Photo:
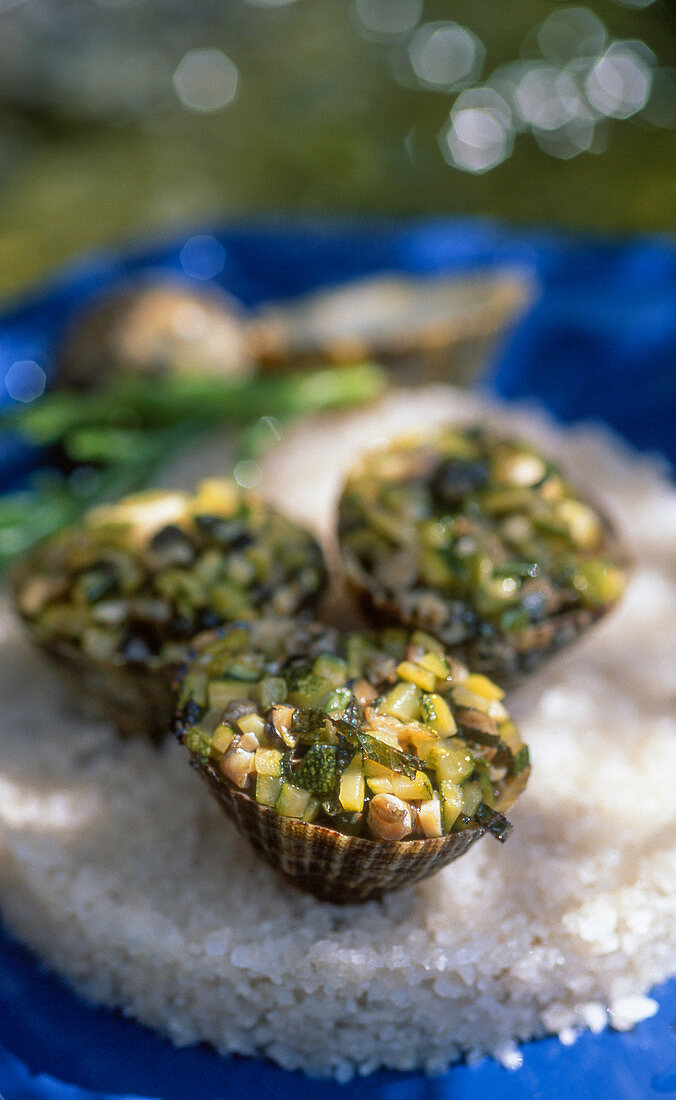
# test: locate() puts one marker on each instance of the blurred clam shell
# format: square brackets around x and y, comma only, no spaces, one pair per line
[444,324]
[138,699]
[154,328]
[507,659]
[339,868]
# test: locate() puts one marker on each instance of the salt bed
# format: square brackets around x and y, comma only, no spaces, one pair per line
[117,867]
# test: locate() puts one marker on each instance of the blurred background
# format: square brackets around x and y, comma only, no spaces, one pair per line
[119,118]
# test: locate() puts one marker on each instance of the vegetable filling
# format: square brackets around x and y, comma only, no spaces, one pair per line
[384,736]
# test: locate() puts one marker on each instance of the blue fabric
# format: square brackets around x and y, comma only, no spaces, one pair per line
[599,342]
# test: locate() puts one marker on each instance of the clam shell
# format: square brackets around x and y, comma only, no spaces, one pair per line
[154,328]
[442,325]
[137,696]
[507,658]
[335,867]
[138,699]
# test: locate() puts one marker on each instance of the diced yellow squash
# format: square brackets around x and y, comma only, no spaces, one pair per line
[352,787]
[429,817]
[292,801]
[220,740]
[463,697]
[436,713]
[414,674]
[451,803]
[402,702]
[481,685]
[435,663]
[268,761]
[412,789]
[252,723]
[379,784]
[268,788]
[372,769]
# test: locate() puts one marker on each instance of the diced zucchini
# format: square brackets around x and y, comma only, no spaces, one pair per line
[337,701]
[402,702]
[268,788]
[252,723]
[481,685]
[268,762]
[451,803]
[358,650]
[245,666]
[271,690]
[456,764]
[436,714]
[352,787]
[429,817]
[421,637]
[471,797]
[198,738]
[310,691]
[330,668]
[292,801]
[434,662]
[197,742]
[319,770]
[222,692]
[486,788]
[416,675]
[311,811]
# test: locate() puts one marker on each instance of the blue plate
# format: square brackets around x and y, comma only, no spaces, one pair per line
[600,343]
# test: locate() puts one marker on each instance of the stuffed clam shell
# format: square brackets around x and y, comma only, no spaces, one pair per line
[353,763]
[116,599]
[481,541]
[154,328]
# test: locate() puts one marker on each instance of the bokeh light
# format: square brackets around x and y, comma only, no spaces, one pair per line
[25,380]
[387,18]
[619,83]
[206,80]
[446,55]
[479,134]
[202,257]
